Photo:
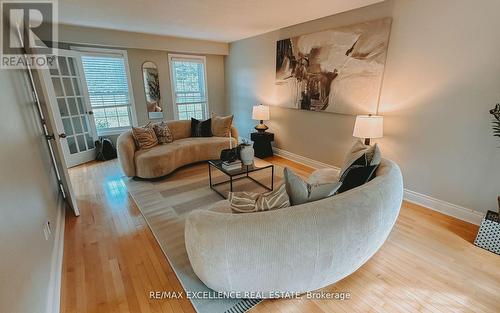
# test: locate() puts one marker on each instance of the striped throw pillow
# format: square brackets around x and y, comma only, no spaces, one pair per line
[144,137]
[247,202]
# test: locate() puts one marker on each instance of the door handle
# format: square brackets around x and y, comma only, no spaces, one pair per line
[62,135]
[90,113]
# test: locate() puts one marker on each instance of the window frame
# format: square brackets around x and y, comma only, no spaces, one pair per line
[187,57]
[103,52]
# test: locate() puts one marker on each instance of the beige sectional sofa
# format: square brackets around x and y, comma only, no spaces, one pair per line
[164,159]
[295,249]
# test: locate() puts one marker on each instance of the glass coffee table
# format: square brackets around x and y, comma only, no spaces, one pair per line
[240,173]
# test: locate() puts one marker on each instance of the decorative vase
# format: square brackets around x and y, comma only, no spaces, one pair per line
[246,154]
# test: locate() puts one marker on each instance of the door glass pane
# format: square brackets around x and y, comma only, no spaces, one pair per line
[57,86]
[63,109]
[77,124]
[90,141]
[54,71]
[85,125]
[81,108]
[81,143]
[63,66]
[72,66]
[72,106]
[68,129]
[72,145]
[77,87]
[67,86]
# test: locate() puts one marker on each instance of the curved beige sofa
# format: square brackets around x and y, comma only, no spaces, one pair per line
[296,249]
[164,159]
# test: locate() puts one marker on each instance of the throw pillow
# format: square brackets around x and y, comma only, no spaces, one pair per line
[163,133]
[144,137]
[201,128]
[221,125]
[300,191]
[246,202]
[356,176]
[371,154]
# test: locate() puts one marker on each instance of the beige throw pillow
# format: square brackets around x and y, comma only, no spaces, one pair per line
[163,133]
[221,125]
[246,202]
[300,191]
[144,137]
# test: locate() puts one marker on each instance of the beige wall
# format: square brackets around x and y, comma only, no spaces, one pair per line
[442,76]
[29,198]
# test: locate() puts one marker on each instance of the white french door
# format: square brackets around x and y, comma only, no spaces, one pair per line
[69,101]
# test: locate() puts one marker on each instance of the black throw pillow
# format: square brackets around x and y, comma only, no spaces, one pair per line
[356,176]
[362,161]
[201,128]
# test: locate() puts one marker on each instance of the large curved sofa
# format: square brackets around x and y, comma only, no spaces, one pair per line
[295,249]
[165,158]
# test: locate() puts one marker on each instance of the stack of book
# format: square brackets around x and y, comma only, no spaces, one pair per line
[231,166]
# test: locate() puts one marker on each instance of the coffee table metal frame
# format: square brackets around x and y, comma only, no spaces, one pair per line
[236,175]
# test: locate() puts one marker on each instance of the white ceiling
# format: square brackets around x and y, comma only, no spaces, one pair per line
[217,20]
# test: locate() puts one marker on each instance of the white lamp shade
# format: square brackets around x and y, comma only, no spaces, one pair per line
[260,112]
[369,126]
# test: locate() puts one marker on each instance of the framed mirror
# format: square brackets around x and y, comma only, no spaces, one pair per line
[152,90]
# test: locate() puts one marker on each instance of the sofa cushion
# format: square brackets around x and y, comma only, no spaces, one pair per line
[201,128]
[221,125]
[163,159]
[301,192]
[145,137]
[247,202]
[356,176]
[361,153]
[323,175]
[163,132]
[180,128]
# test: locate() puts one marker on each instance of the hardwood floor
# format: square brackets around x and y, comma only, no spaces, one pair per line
[112,261]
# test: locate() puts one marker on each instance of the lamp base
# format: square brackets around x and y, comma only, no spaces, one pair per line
[367,141]
[261,128]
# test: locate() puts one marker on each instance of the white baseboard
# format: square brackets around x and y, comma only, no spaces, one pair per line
[434,204]
[301,159]
[444,207]
[54,288]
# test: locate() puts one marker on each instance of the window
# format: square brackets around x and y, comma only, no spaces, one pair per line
[109,94]
[188,78]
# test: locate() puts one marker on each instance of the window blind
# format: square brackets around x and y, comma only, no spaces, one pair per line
[106,80]
[107,84]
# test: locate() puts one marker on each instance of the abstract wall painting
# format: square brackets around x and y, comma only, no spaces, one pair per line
[338,70]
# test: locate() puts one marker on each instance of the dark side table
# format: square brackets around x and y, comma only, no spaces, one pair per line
[262,144]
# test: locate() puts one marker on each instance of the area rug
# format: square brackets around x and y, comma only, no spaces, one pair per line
[165,205]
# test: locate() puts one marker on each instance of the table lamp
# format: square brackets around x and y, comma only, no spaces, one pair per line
[260,112]
[368,126]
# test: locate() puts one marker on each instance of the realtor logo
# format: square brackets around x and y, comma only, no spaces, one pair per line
[26,26]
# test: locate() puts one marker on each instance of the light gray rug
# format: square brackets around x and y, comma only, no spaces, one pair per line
[165,205]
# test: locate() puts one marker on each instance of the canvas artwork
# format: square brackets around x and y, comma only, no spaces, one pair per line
[338,70]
